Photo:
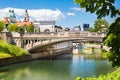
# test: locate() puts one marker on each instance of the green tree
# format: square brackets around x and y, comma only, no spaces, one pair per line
[91,29]
[103,8]
[1,25]
[101,25]
[30,28]
[13,27]
[113,40]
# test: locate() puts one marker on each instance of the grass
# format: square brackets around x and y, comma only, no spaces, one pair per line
[8,50]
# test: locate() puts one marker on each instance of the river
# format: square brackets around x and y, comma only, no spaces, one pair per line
[66,67]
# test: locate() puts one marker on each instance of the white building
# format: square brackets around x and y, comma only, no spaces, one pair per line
[77,28]
[47,26]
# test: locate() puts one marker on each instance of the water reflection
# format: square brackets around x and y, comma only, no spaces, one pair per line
[65,67]
[82,66]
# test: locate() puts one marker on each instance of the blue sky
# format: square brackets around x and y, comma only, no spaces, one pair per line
[65,12]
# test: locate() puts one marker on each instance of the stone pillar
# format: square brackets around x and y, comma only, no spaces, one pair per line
[7,36]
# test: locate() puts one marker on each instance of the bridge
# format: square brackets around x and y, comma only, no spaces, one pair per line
[32,41]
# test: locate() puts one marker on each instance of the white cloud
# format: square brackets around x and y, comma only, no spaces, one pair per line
[70,14]
[35,14]
[78,9]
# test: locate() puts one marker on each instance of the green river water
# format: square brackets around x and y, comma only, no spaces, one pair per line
[66,67]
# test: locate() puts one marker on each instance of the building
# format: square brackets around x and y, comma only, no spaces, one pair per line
[47,26]
[67,29]
[77,28]
[85,27]
[38,26]
[11,18]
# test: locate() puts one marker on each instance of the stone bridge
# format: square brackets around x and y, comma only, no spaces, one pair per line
[31,41]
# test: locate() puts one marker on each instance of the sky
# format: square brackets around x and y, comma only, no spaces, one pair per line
[64,12]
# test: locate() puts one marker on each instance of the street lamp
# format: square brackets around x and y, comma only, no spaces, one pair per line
[21,36]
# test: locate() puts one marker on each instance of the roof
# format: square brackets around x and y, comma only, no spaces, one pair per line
[58,27]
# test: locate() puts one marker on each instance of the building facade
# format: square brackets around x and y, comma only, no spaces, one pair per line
[85,27]
[47,26]
[76,28]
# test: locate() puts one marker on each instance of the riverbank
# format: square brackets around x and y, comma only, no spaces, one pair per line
[8,50]
[35,56]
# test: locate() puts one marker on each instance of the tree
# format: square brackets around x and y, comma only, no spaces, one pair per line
[101,25]
[1,25]
[113,40]
[91,29]
[13,27]
[30,28]
[103,8]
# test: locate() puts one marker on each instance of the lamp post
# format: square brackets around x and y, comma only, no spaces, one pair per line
[21,36]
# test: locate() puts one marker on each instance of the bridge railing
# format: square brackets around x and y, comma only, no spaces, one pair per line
[30,40]
[63,34]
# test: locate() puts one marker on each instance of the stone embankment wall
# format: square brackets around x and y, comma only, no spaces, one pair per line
[98,46]
[41,55]
[13,60]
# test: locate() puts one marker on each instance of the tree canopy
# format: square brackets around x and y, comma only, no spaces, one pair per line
[1,25]
[13,27]
[101,25]
[112,40]
[104,8]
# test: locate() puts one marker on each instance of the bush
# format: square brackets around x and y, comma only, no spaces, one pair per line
[115,75]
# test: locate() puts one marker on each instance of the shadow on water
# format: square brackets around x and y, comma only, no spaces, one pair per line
[4,70]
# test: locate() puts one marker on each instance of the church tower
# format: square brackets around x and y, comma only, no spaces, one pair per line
[26,16]
[12,17]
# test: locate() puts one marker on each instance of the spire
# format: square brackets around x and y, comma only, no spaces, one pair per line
[12,16]
[26,16]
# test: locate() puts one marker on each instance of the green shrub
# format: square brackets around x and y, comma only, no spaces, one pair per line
[115,75]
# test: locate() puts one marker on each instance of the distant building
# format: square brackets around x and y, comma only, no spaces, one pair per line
[85,27]
[77,28]
[67,29]
[47,26]
[11,18]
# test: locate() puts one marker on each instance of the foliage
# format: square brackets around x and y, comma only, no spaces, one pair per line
[115,75]
[13,27]
[101,25]
[30,28]
[8,50]
[3,55]
[1,25]
[113,40]
[91,29]
[102,8]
